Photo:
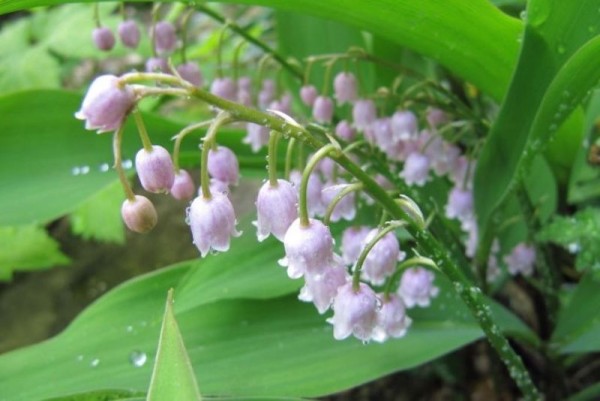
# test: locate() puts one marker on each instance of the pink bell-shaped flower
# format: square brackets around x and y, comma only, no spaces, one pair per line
[257,136]
[139,214]
[404,125]
[392,321]
[308,94]
[267,93]
[223,165]
[155,169]
[345,87]
[183,186]
[321,289]
[416,169]
[165,39]
[382,259]
[521,260]
[157,64]
[276,209]
[129,34]
[313,192]
[212,222]
[364,114]
[225,88]
[436,117]
[354,312]
[323,110]
[460,204]
[190,72]
[346,207]
[345,131]
[352,243]
[416,287]
[106,104]
[103,38]
[308,249]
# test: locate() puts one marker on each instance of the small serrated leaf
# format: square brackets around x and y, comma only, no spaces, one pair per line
[173,377]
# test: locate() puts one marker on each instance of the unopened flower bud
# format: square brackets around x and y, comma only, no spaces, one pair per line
[276,209]
[212,222]
[139,214]
[382,259]
[225,88]
[155,169]
[345,131]
[344,86]
[308,94]
[103,38]
[223,165]
[346,207]
[183,186]
[364,113]
[323,110]
[391,319]
[404,125]
[165,38]
[190,72]
[308,249]
[352,243]
[157,64]
[106,104]
[416,287]
[129,33]
[436,117]
[354,312]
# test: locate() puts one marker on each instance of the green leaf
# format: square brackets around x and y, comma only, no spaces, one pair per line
[433,28]
[31,68]
[539,99]
[580,234]
[99,217]
[103,395]
[173,376]
[578,326]
[244,337]
[27,248]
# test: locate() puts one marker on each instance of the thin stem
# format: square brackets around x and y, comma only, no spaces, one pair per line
[327,79]
[236,59]
[307,69]
[139,122]
[222,118]
[357,186]
[117,139]
[325,151]
[365,251]
[272,161]
[391,283]
[122,10]
[184,33]
[220,51]
[288,157]
[255,41]
[97,16]
[179,138]
[153,28]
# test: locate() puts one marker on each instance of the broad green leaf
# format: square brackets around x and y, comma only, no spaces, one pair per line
[578,326]
[27,248]
[539,99]
[103,395]
[580,234]
[99,217]
[172,376]
[432,28]
[590,393]
[245,342]
[33,67]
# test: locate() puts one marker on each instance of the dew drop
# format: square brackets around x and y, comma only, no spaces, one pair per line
[95,362]
[129,329]
[561,49]
[85,169]
[104,167]
[76,170]
[79,358]
[138,358]
[127,164]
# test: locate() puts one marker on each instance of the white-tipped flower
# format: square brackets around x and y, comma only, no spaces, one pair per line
[157,64]
[354,312]
[257,136]
[381,133]
[308,94]
[352,243]
[155,169]
[416,287]
[277,208]
[521,260]
[308,249]
[364,113]
[382,259]
[139,214]
[416,169]
[320,289]
[103,38]
[225,88]
[436,117]
[267,93]
[345,87]
[212,222]
[223,165]
[404,125]
[323,110]
[313,192]
[345,131]
[392,321]
[106,104]
[165,39]
[460,204]
[346,207]
[129,34]
[190,72]
[183,186]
